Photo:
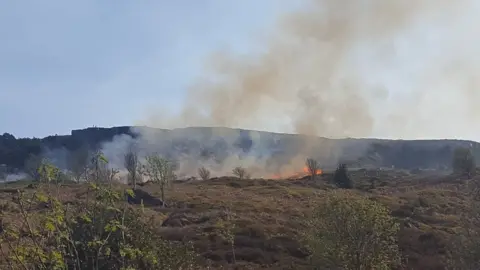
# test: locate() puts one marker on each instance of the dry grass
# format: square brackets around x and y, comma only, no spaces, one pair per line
[269,215]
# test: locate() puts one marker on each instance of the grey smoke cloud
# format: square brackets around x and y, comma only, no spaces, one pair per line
[353,68]
[337,68]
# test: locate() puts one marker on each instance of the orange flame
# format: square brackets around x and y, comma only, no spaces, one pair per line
[307,171]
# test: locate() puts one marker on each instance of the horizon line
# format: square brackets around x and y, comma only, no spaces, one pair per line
[250,130]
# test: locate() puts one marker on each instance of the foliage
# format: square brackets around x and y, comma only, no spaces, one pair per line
[160,170]
[408,154]
[352,232]
[47,172]
[463,162]
[15,151]
[98,170]
[132,165]
[204,173]
[104,233]
[341,177]
[240,172]
[464,252]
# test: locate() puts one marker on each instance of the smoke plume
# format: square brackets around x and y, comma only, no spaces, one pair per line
[347,68]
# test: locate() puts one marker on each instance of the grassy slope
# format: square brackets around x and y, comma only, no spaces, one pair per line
[269,215]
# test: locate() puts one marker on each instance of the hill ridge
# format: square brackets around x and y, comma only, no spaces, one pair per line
[219,143]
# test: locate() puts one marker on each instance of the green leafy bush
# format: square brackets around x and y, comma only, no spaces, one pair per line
[101,232]
[352,232]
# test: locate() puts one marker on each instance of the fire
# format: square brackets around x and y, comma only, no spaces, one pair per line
[307,171]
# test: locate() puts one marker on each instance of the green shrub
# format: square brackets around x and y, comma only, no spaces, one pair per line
[101,232]
[352,232]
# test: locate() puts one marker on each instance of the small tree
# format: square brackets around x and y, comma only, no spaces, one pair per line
[313,167]
[240,172]
[98,171]
[160,170]
[463,162]
[48,172]
[78,163]
[132,165]
[204,173]
[341,177]
[352,232]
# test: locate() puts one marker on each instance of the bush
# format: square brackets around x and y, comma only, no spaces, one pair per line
[161,171]
[463,249]
[204,173]
[241,173]
[313,167]
[341,178]
[352,232]
[102,232]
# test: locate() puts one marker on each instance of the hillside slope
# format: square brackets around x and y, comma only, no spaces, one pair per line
[269,215]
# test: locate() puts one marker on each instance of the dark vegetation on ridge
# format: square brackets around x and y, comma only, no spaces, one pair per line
[402,154]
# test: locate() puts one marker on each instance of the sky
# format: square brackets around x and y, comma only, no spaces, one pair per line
[414,67]
[74,64]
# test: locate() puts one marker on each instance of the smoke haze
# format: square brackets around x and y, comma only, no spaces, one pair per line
[346,68]
[336,68]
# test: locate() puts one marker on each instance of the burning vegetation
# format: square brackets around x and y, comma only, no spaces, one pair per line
[311,168]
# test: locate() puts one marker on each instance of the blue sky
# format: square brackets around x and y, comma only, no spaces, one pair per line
[73,64]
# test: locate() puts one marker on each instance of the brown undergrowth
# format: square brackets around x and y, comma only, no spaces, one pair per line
[258,223]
